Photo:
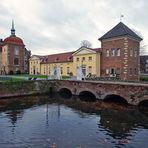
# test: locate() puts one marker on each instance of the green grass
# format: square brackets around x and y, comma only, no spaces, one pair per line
[26,75]
[37,76]
[143,78]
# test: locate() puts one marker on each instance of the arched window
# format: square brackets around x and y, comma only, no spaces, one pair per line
[113,52]
[16,61]
[16,50]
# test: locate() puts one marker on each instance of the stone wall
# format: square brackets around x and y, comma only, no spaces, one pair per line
[133,93]
[11,89]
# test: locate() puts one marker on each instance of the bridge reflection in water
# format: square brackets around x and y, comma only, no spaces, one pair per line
[49,120]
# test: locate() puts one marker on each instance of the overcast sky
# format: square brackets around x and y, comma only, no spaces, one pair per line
[52,26]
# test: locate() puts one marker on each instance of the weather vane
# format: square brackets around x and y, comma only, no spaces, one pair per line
[121,17]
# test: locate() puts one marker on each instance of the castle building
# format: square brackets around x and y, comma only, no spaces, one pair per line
[120,53]
[68,62]
[14,57]
[144,64]
[117,57]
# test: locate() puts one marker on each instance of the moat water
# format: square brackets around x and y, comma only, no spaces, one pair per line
[44,122]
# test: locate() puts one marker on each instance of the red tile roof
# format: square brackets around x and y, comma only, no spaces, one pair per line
[60,57]
[14,40]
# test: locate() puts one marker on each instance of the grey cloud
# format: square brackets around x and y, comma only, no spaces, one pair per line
[60,25]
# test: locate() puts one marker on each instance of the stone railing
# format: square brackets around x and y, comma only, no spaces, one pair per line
[94,78]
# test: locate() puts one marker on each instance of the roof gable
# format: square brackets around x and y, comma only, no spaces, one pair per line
[37,57]
[84,50]
[120,30]
[34,57]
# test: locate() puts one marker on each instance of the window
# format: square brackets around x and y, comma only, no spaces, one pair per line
[89,58]
[107,71]
[146,65]
[90,69]
[107,53]
[83,59]
[112,72]
[135,71]
[48,69]
[44,70]
[130,71]
[77,59]
[118,52]
[16,50]
[135,53]
[68,70]
[131,52]
[61,70]
[113,52]
[16,61]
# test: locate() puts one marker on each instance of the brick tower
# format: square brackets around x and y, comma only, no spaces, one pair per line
[120,53]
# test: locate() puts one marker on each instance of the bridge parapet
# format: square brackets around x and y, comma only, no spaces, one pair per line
[133,93]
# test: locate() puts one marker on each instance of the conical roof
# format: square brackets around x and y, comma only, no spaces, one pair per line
[120,30]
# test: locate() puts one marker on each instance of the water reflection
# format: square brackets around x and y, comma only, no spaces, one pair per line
[40,121]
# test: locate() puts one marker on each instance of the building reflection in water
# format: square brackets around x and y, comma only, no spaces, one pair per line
[14,115]
[120,124]
[14,108]
[52,112]
[116,124]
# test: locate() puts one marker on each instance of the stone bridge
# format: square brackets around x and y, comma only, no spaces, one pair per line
[131,93]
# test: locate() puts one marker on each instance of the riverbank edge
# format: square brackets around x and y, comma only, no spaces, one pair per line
[26,88]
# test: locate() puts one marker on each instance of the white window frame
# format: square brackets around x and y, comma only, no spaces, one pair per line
[118,52]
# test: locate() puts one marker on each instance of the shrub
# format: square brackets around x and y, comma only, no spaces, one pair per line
[18,72]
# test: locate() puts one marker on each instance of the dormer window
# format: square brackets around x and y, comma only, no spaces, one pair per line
[69,58]
[57,59]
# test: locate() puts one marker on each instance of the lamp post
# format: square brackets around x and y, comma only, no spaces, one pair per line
[46,68]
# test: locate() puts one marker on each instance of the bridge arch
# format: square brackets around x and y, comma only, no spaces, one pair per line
[115,99]
[87,96]
[143,103]
[65,93]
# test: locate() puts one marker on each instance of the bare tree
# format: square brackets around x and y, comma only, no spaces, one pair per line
[143,46]
[86,43]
